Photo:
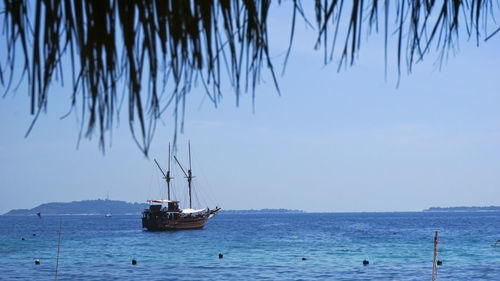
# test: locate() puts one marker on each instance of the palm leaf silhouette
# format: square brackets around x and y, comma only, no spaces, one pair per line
[177,42]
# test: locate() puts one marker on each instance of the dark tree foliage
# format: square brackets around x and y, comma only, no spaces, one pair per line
[175,43]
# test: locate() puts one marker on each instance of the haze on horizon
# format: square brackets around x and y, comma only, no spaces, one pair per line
[347,141]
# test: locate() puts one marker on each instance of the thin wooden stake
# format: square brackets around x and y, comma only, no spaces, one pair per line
[58,247]
[434,268]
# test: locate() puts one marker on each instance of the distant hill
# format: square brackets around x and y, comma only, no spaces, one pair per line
[464,209]
[115,207]
[84,207]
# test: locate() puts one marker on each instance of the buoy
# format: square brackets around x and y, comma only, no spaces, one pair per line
[221,255]
[134,262]
[439,262]
[303,258]
[365,262]
[37,261]
[22,238]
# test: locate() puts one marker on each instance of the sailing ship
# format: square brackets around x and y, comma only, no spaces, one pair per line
[166,214]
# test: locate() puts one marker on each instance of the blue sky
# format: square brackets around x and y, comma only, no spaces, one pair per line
[347,141]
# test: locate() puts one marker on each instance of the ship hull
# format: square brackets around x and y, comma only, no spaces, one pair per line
[154,219]
[161,224]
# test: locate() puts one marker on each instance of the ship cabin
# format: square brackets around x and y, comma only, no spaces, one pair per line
[173,206]
[161,208]
[168,205]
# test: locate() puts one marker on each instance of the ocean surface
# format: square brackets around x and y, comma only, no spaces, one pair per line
[399,246]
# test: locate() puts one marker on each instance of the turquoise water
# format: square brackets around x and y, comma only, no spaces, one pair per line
[399,246]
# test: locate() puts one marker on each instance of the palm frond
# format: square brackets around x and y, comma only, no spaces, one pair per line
[153,45]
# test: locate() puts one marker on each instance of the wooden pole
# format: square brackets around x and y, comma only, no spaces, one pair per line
[168,174]
[58,247]
[434,268]
[190,176]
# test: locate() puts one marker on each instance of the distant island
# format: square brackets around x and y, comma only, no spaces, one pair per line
[87,207]
[464,209]
[115,207]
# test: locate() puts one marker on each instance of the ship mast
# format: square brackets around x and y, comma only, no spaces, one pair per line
[166,176]
[189,174]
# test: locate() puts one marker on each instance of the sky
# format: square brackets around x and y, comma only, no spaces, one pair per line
[348,141]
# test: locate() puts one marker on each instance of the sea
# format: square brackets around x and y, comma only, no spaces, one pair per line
[259,246]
